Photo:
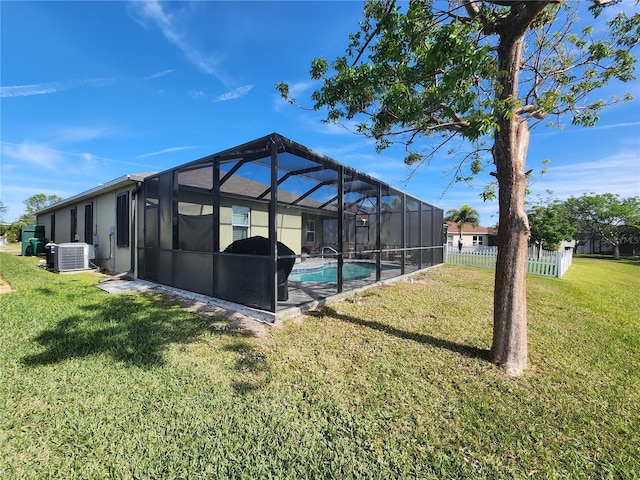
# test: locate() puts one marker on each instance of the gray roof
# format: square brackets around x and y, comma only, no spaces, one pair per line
[109,186]
[237,185]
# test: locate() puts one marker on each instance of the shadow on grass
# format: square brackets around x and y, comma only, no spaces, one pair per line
[132,329]
[465,350]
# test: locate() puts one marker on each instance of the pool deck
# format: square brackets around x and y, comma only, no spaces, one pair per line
[303,296]
[305,293]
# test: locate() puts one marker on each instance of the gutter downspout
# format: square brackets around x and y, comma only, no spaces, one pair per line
[134,195]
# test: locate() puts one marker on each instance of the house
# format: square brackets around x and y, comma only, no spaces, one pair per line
[478,237]
[347,230]
[472,236]
[102,217]
[628,238]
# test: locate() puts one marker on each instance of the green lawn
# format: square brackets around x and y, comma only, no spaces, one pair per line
[392,383]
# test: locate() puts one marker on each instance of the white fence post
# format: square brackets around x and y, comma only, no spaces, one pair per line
[565,259]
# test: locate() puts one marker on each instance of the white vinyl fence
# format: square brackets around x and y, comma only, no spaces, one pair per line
[549,264]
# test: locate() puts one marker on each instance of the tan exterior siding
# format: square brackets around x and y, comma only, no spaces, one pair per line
[471,236]
[108,255]
[468,239]
[289,223]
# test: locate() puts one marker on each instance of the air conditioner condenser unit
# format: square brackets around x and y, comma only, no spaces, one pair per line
[72,256]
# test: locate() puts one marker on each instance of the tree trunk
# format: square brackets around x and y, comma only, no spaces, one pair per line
[616,251]
[511,141]
[509,349]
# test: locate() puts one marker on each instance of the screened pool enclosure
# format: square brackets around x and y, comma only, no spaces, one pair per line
[272,224]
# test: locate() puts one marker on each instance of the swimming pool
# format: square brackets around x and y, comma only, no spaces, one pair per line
[328,272]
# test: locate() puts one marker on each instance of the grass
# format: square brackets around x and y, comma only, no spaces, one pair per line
[392,383]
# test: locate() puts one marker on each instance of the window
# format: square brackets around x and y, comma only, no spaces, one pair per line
[122,220]
[311,231]
[330,232]
[73,233]
[477,240]
[52,234]
[88,223]
[240,222]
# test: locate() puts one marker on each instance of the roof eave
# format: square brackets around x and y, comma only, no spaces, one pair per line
[97,190]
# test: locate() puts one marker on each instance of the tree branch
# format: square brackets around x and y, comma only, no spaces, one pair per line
[533,110]
[389,8]
[472,8]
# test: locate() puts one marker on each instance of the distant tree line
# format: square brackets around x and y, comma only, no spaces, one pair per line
[608,218]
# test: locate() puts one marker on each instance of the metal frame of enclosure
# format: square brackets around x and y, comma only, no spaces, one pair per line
[337,221]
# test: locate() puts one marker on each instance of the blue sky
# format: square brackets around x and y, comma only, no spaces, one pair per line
[95,90]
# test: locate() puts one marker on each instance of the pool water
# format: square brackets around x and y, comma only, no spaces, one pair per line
[329,273]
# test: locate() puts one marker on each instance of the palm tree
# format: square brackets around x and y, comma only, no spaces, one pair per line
[466,214]
[3,210]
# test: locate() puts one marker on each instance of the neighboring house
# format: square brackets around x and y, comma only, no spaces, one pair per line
[471,236]
[566,245]
[173,227]
[629,243]
[474,237]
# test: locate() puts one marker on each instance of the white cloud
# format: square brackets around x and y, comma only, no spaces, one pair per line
[26,190]
[166,150]
[32,153]
[159,74]
[615,125]
[548,132]
[56,160]
[80,134]
[29,90]
[234,94]
[618,173]
[196,94]
[298,88]
[54,87]
[153,10]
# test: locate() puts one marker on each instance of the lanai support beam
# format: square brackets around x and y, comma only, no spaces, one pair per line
[273,228]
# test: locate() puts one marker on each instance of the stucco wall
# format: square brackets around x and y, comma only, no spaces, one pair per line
[467,239]
[108,255]
[289,223]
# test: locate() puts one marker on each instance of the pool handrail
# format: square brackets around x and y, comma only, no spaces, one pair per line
[334,252]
